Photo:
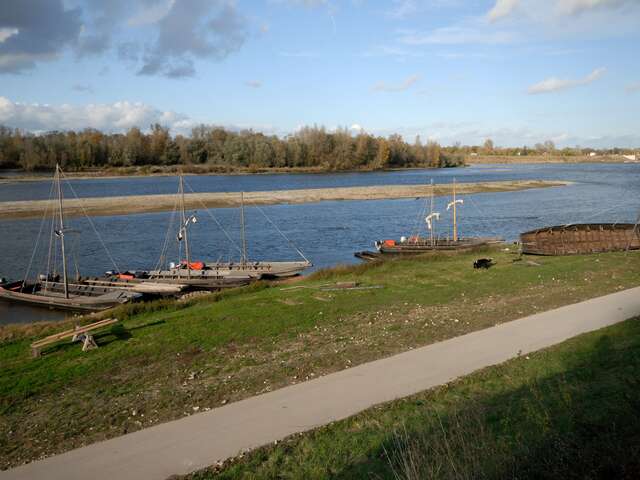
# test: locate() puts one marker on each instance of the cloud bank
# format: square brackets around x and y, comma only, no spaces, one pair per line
[554,84]
[35,30]
[113,117]
[159,37]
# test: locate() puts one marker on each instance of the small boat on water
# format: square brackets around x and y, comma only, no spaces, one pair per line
[128,281]
[416,244]
[212,275]
[55,291]
[70,296]
[581,238]
[260,269]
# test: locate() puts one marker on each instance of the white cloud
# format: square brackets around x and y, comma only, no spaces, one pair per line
[554,84]
[391,52]
[502,8]
[151,14]
[457,35]
[384,87]
[298,54]
[572,7]
[402,8]
[6,33]
[356,127]
[82,88]
[114,117]
[633,87]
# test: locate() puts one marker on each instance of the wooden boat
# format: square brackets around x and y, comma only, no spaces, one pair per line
[581,238]
[71,296]
[215,275]
[202,277]
[416,244]
[259,269]
[131,283]
[51,291]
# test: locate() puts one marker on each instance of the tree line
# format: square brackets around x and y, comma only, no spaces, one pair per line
[226,150]
[310,147]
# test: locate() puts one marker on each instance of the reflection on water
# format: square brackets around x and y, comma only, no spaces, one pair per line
[327,232]
[15,313]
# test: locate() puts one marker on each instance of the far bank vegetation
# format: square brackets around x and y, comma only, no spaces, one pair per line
[312,148]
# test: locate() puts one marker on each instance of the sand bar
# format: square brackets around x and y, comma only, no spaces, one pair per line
[157,203]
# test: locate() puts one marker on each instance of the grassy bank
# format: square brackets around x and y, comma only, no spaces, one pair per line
[170,359]
[571,412]
[156,203]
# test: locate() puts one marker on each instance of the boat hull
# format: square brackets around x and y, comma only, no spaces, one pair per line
[424,245]
[259,270]
[81,297]
[197,279]
[581,239]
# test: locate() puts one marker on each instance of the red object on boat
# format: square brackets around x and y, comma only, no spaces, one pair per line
[413,239]
[125,276]
[194,265]
[390,243]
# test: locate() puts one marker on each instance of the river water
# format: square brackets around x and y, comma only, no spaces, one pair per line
[326,232]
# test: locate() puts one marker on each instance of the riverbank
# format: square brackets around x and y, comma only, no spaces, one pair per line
[172,170]
[538,159]
[157,203]
[171,359]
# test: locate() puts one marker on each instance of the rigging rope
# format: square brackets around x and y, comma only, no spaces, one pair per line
[113,262]
[35,248]
[165,246]
[283,235]
[226,234]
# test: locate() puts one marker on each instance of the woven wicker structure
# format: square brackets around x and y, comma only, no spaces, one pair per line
[581,238]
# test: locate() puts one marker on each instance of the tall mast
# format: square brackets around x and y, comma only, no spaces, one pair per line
[61,232]
[431,213]
[455,226]
[242,227]
[184,227]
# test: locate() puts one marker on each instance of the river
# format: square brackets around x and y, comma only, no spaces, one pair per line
[326,232]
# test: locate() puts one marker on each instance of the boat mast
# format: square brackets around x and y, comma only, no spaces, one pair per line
[61,233]
[431,214]
[242,227]
[184,228]
[455,226]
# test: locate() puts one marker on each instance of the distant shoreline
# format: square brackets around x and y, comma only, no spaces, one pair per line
[541,159]
[125,205]
[215,170]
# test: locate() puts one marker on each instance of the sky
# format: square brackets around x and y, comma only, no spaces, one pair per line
[516,71]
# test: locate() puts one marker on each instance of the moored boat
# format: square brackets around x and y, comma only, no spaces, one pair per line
[416,244]
[213,275]
[54,291]
[580,238]
[77,296]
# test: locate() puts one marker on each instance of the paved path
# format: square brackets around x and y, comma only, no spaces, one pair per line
[200,440]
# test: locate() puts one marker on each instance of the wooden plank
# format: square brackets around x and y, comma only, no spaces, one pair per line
[37,346]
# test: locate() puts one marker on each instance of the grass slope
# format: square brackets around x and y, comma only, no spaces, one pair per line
[571,411]
[171,359]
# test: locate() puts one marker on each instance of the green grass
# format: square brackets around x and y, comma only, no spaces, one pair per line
[169,359]
[572,411]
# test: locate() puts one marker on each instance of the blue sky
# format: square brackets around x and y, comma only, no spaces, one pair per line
[517,71]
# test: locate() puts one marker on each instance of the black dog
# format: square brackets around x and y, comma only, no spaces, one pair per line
[483,263]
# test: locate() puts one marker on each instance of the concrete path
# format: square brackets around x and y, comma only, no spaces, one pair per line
[200,440]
